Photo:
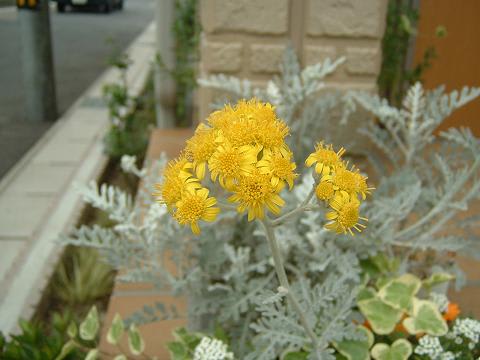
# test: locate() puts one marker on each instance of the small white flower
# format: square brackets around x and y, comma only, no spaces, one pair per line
[212,349]
[448,356]
[429,345]
[468,328]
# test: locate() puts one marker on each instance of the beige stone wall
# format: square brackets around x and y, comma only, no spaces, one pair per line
[246,38]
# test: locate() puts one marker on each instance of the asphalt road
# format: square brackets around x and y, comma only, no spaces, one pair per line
[83,41]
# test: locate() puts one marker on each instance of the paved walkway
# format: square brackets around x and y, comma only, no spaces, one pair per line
[37,197]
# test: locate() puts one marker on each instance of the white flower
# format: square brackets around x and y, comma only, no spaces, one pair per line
[468,328]
[448,356]
[212,349]
[429,345]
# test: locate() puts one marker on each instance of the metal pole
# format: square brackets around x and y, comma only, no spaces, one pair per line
[37,63]
[164,84]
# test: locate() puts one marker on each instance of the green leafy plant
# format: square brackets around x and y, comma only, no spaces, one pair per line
[386,305]
[82,278]
[128,133]
[186,30]
[38,341]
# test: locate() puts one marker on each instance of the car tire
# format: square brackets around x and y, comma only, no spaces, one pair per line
[60,8]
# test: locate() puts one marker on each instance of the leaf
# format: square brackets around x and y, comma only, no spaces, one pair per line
[401,349]
[187,338]
[90,326]
[296,355]
[72,330]
[92,354]
[356,349]
[381,316]
[400,291]
[120,357]
[67,348]
[116,330]
[270,297]
[135,340]
[384,263]
[426,319]
[437,278]
[178,351]
[365,294]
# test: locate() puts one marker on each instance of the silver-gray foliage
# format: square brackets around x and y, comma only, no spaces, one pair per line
[426,180]
[295,96]
[227,273]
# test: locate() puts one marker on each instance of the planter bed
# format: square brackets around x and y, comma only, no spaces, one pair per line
[128,298]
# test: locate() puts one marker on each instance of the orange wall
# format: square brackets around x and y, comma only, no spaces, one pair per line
[458,61]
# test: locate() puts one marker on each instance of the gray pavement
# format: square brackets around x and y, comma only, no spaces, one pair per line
[83,43]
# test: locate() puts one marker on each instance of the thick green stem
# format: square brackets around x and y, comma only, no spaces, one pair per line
[282,278]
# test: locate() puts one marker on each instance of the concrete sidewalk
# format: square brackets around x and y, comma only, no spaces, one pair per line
[37,197]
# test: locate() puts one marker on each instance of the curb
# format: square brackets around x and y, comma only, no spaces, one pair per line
[73,148]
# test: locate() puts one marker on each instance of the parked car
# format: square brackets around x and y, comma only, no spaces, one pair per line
[103,5]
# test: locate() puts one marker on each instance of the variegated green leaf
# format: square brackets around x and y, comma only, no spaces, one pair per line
[116,330]
[135,340]
[356,349]
[381,316]
[401,349]
[400,291]
[92,355]
[425,319]
[90,326]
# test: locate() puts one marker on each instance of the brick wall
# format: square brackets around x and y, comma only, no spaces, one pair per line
[246,38]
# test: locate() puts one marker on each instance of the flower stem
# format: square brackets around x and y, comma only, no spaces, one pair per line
[303,206]
[282,278]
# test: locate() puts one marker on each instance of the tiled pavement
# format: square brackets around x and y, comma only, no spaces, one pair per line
[37,197]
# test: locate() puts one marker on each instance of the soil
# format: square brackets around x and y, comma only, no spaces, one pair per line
[50,304]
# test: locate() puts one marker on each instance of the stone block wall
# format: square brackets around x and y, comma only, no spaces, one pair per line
[246,38]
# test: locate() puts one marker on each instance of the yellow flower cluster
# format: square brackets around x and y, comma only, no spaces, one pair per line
[243,148]
[340,188]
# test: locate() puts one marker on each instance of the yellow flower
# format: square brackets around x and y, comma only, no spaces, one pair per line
[251,123]
[324,190]
[229,163]
[179,167]
[344,180]
[176,179]
[362,186]
[280,168]
[195,205]
[345,214]
[200,148]
[254,193]
[326,159]
[351,182]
